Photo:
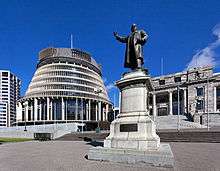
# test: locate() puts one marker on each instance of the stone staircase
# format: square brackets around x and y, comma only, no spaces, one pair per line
[214,120]
[171,122]
[195,135]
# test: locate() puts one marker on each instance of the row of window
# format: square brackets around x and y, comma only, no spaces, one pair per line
[66,73]
[67,67]
[67,80]
[64,93]
[65,87]
[176,80]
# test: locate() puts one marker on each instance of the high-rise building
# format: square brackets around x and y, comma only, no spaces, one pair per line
[66,87]
[9,94]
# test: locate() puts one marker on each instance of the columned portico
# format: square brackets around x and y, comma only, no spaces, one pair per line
[170,103]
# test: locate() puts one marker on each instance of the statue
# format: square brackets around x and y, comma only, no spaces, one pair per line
[134,49]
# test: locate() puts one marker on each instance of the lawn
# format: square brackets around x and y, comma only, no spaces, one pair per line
[5,140]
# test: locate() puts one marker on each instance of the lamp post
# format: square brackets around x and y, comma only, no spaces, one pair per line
[25,120]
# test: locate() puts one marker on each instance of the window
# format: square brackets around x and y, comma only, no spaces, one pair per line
[177,79]
[5,74]
[162,82]
[200,91]
[199,105]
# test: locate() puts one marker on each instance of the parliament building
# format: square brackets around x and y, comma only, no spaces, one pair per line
[66,87]
[197,91]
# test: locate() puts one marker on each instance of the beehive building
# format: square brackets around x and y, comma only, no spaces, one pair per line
[67,86]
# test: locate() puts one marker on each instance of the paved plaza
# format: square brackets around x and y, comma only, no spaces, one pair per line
[69,155]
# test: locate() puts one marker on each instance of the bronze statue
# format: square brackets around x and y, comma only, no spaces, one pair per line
[134,49]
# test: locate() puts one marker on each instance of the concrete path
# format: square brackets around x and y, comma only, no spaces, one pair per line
[68,156]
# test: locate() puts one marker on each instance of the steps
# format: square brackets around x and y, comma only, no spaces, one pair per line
[171,122]
[205,137]
[165,136]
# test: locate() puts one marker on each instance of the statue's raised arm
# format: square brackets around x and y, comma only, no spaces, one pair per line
[120,38]
[134,47]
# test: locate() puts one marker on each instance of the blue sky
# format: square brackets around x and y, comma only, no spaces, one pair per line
[179,31]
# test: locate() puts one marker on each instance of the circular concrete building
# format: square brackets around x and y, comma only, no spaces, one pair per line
[67,86]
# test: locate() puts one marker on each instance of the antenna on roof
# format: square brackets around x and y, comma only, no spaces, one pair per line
[71,42]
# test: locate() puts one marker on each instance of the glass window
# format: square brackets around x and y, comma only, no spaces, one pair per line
[5,74]
[200,91]
[162,82]
[177,79]
[200,105]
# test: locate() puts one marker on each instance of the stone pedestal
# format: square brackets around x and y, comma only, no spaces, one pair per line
[133,134]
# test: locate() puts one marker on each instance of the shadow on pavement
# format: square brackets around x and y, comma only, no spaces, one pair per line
[95,143]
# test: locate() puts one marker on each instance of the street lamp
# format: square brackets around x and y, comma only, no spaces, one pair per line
[25,120]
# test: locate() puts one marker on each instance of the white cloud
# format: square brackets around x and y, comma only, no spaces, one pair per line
[207,56]
[110,86]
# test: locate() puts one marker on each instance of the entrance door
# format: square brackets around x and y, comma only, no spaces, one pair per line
[162,111]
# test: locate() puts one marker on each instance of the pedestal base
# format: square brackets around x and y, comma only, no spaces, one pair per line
[162,157]
[135,132]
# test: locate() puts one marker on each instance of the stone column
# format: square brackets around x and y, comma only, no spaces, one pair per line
[184,102]
[63,109]
[89,112]
[100,110]
[154,107]
[51,110]
[48,108]
[31,107]
[40,111]
[96,111]
[170,102]
[106,113]
[82,109]
[26,110]
[19,112]
[215,109]
[76,109]
[35,109]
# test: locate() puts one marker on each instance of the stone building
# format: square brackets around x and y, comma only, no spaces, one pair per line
[198,91]
[67,86]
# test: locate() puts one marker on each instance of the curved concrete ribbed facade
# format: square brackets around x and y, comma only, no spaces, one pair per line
[66,86]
